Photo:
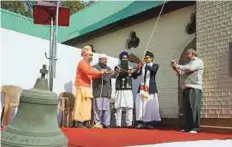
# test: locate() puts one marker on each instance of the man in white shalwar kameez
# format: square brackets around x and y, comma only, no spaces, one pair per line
[147,104]
[124,95]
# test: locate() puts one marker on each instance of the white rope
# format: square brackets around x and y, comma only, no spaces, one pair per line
[153,31]
[146,46]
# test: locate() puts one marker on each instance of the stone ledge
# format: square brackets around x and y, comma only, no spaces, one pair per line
[217,122]
[216,129]
[212,125]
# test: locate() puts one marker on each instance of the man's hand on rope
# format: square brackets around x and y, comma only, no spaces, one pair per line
[139,65]
[174,67]
[109,72]
[173,64]
[103,71]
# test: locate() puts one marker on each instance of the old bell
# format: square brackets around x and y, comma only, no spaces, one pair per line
[35,123]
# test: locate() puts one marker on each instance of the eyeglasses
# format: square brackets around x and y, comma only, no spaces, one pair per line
[146,58]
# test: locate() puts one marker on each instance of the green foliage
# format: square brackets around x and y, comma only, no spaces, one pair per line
[87,3]
[26,7]
[74,5]
[14,6]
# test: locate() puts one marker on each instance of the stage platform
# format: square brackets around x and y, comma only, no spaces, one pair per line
[115,137]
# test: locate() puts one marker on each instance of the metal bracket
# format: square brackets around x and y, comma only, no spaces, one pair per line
[49,58]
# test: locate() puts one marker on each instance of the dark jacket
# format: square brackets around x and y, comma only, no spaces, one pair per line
[152,83]
[105,89]
[124,80]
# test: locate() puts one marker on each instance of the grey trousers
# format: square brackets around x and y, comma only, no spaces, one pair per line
[192,107]
[101,111]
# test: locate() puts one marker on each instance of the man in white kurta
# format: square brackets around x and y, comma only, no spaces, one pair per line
[124,95]
[147,104]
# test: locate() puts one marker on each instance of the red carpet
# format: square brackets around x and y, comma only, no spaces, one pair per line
[125,137]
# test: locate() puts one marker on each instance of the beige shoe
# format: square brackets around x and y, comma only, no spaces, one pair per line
[97,126]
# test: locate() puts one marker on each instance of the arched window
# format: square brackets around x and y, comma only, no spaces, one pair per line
[133,41]
[191,27]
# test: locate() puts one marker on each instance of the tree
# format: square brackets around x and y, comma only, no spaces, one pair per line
[26,7]
[87,3]
[14,6]
[74,5]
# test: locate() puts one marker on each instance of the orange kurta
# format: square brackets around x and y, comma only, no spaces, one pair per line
[83,103]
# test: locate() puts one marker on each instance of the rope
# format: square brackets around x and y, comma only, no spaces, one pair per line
[153,31]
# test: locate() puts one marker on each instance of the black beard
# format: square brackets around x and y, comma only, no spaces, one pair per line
[124,64]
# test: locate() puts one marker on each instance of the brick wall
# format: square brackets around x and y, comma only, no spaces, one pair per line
[214,32]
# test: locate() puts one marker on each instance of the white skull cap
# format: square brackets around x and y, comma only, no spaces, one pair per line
[102,56]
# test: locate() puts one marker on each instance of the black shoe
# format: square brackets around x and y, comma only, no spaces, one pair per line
[74,124]
[106,127]
[87,124]
[130,127]
[149,125]
[139,126]
[117,126]
[80,125]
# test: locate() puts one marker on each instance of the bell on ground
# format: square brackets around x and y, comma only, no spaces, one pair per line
[35,123]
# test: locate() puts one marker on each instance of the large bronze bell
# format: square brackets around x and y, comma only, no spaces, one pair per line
[35,123]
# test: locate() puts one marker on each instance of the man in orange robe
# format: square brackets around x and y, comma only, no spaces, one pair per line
[84,74]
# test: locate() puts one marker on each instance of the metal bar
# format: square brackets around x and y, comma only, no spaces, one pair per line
[53,49]
[55,40]
[50,81]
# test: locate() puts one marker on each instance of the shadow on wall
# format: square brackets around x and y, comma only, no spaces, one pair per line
[68,87]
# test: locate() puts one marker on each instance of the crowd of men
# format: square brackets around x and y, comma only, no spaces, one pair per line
[94,88]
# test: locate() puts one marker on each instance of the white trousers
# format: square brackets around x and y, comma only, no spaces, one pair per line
[147,110]
[129,116]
